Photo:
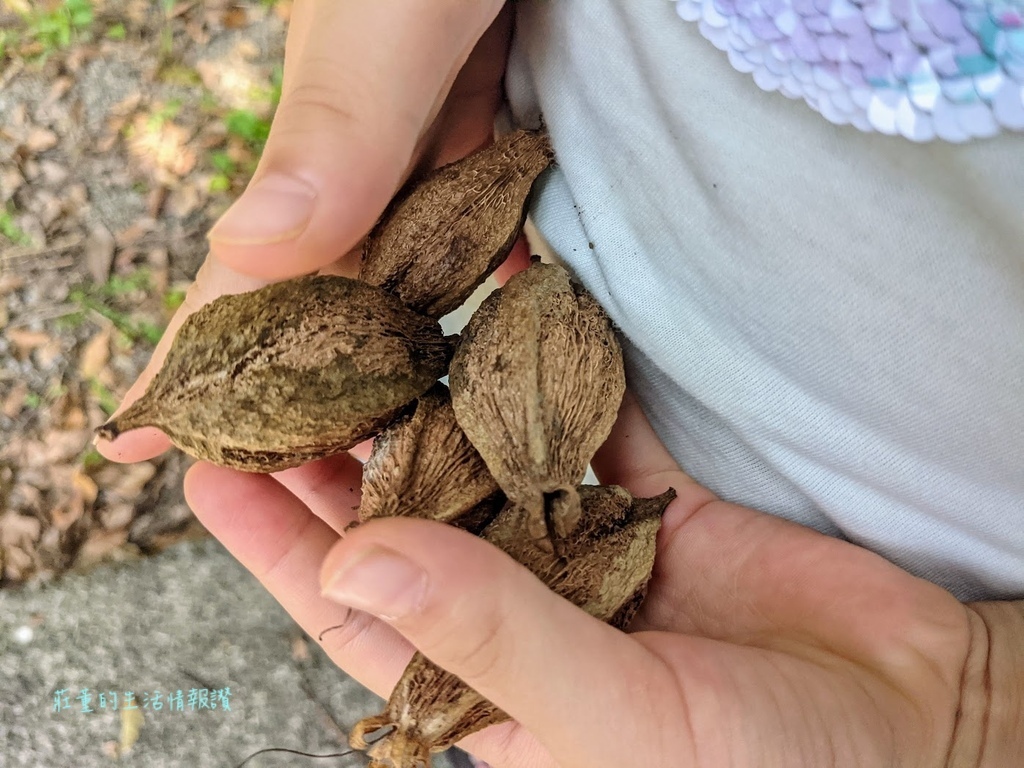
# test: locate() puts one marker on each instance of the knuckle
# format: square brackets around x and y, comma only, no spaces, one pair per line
[318,100]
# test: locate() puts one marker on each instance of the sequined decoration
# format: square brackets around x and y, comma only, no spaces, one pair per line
[923,69]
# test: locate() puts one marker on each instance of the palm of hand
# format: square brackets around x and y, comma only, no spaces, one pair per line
[785,647]
[761,643]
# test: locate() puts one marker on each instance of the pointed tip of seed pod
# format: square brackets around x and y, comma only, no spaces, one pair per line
[667,497]
[653,507]
[138,414]
[108,431]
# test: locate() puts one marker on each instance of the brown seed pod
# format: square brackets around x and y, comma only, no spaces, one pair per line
[536,383]
[292,372]
[442,235]
[423,465]
[607,560]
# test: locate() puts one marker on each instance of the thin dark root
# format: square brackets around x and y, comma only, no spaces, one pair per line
[320,637]
[296,752]
[308,754]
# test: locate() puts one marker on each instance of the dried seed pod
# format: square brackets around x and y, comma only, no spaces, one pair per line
[536,383]
[441,236]
[423,465]
[295,371]
[612,545]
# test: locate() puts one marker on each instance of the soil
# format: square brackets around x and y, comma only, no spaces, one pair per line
[118,150]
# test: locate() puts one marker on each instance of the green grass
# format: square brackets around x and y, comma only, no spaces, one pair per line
[122,285]
[57,29]
[10,229]
[7,38]
[163,113]
[33,400]
[179,74]
[271,93]
[92,459]
[104,300]
[249,127]
[117,32]
[104,397]
[174,298]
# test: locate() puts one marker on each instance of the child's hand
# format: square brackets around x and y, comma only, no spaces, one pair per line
[761,643]
[371,89]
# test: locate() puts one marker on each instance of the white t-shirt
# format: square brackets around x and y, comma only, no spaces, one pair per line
[822,324]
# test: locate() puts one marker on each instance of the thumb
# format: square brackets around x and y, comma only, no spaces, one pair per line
[569,679]
[363,81]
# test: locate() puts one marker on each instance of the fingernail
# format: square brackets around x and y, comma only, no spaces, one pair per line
[379,581]
[275,209]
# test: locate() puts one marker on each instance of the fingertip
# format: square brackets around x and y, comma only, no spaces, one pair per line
[339,194]
[276,208]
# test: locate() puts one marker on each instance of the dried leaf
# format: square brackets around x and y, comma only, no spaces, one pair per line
[63,447]
[15,400]
[84,485]
[62,517]
[19,7]
[186,199]
[54,174]
[131,235]
[300,649]
[95,354]
[10,282]
[156,198]
[180,9]
[59,89]
[441,236]
[117,515]
[102,544]
[131,725]
[16,562]
[25,340]
[19,530]
[40,140]
[234,17]
[283,10]
[158,260]
[131,479]
[48,355]
[292,372]
[99,253]
[10,181]
[536,383]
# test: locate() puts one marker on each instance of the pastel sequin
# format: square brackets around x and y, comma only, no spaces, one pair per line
[922,69]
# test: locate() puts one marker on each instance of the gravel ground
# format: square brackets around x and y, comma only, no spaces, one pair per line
[190,617]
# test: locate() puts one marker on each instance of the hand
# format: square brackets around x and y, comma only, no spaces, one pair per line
[372,89]
[761,643]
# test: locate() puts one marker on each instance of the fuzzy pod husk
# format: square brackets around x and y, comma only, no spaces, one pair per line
[536,383]
[423,465]
[292,372]
[444,234]
[605,564]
